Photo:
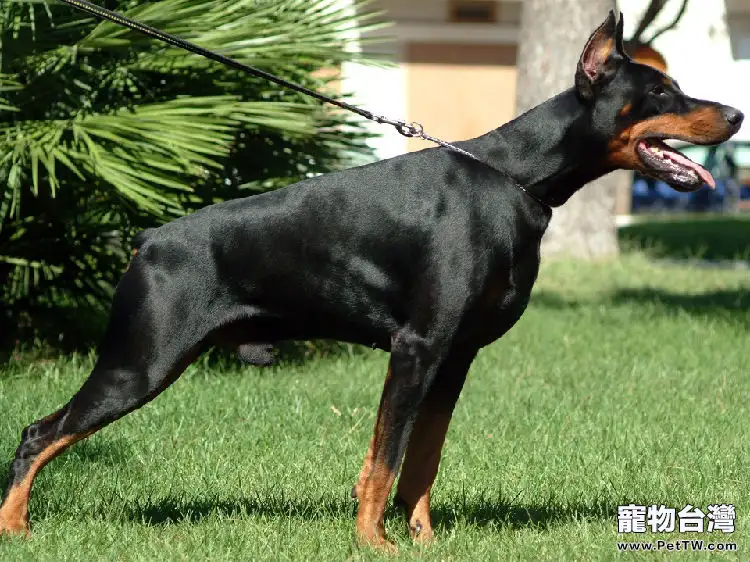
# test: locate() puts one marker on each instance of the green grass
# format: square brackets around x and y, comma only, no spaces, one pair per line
[624,382]
[711,237]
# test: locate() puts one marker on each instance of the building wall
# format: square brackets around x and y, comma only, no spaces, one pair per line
[457,79]
[459,91]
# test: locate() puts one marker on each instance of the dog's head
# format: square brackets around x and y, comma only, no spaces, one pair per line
[636,107]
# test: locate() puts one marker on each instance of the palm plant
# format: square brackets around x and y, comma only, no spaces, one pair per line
[104,132]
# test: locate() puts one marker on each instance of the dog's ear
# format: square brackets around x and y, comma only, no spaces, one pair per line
[619,41]
[600,58]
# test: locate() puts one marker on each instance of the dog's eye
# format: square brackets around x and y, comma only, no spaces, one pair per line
[658,91]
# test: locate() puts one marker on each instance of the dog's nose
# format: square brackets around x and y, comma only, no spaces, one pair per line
[734,116]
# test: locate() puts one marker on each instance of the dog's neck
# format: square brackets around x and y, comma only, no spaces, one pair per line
[551,150]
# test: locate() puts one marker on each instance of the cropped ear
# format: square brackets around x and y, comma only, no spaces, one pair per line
[600,58]
[619,42]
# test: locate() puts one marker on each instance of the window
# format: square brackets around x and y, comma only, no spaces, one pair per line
[473,11]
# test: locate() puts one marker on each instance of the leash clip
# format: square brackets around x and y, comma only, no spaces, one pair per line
[411,129]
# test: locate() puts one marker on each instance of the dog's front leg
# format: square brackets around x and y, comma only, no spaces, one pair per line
[413,366]
[426,443]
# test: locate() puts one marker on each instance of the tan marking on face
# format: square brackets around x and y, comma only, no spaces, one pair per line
[704,125]
[626,109]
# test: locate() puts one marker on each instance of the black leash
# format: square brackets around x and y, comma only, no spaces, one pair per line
[410,130]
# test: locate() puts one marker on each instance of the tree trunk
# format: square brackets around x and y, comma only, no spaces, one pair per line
[553,34]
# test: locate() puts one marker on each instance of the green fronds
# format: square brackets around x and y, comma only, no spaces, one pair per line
[7,84]
[144,153]
[104,131]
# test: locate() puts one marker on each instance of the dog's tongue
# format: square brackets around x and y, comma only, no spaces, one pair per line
[704,174]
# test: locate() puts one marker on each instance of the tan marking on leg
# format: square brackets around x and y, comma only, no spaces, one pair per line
[420,522]
[367,463]
[420,466]
[14,516]
[374,495]
[14,513]
[373,487]
[365,472]
[420,469]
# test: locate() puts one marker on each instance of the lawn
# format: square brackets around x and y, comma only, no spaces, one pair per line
[624,382]
[690,236]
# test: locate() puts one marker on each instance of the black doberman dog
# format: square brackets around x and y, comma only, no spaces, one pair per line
[430,255]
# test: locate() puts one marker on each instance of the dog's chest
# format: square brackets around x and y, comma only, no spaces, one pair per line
[505,296]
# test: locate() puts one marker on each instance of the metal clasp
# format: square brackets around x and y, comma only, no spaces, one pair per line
[410,129]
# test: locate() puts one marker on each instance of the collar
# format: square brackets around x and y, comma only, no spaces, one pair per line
[512,180]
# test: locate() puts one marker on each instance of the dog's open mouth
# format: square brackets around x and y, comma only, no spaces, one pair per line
[665,163]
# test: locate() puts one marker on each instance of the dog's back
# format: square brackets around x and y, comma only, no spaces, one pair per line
[348,255]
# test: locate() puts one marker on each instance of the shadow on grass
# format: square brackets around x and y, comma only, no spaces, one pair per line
[290,353]
[109,452]
[727,304]
[484,513]
[480,512]
[730,305]
[88,454]
[166,511]
[710,238]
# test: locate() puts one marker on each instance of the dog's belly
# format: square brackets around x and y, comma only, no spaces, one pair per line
[319,326]
[245,325]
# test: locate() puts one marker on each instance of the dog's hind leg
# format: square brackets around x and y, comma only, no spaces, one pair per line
[149,342]
[422,457]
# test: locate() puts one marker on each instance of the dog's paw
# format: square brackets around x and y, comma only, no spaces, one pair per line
[379,544]
[421,533]
[17,527]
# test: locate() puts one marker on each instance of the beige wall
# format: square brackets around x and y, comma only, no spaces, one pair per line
[415,10]
[456,78]
[438,10]
[459,91]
